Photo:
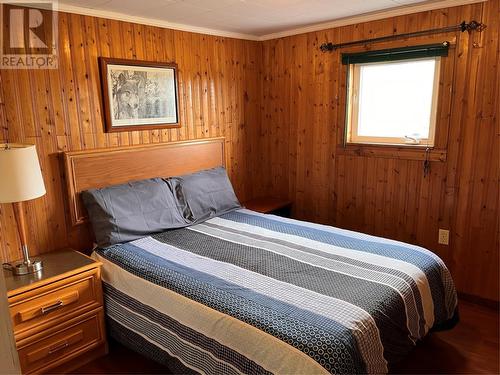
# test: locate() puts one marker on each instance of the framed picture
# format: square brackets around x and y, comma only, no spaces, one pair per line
[139,95]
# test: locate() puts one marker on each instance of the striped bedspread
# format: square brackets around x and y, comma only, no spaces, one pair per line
[253,293]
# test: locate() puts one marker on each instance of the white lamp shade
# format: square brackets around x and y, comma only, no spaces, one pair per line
[20,174]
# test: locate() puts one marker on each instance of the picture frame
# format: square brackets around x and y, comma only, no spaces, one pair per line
[139,95]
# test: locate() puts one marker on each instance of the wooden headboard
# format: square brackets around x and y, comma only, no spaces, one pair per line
[110,166]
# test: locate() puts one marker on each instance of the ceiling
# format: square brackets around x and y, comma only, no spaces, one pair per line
[247,18]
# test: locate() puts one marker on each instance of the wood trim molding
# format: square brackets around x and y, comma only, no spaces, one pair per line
[99,168]
[367,17]
[492,304]
[392,152]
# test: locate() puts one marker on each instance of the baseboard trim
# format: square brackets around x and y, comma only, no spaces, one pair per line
[492,304]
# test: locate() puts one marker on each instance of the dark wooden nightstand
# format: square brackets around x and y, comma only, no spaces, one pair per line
[270,205]
[57,314]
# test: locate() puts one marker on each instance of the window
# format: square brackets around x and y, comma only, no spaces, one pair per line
[393,101]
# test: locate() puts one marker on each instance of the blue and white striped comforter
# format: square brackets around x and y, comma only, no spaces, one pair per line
[254,293]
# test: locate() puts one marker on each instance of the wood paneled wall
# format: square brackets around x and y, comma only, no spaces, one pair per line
[302,129]
[60,110]
[280,104]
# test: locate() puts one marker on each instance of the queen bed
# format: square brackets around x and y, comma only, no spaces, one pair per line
[236,291]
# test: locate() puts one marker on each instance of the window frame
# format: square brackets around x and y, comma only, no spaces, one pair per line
[352,108]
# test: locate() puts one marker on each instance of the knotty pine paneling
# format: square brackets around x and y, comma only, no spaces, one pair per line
[301,137]
[280,105]
[60,110]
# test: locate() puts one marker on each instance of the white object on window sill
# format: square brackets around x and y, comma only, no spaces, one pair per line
[412,140]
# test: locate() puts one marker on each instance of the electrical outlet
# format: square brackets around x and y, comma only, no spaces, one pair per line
[444,237]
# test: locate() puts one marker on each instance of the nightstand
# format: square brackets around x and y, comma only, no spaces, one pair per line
[57,315]
[270,205]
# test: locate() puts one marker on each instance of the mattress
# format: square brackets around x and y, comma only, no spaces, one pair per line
[253,293]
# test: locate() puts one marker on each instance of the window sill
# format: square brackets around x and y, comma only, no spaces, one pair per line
[413,152]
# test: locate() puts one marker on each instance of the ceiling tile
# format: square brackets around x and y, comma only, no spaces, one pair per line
[256,17]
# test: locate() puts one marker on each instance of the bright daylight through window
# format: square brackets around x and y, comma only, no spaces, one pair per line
[393,102]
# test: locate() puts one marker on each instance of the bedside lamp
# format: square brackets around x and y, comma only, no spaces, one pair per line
[20,180]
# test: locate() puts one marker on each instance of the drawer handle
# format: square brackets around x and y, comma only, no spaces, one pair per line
[40,310]
[54,306]
[57,348]
[35,353]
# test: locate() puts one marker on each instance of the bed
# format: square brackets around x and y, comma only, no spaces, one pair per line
[245,292]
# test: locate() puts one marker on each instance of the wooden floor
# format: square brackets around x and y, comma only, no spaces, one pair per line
[472,347]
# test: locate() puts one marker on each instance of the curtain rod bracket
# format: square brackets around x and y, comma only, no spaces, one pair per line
[472,26]
[327,47]
[464,26]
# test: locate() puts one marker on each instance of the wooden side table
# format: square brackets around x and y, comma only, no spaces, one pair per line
[270,205]
[57,314]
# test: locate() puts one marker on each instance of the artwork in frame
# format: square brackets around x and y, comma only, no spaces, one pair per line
[139,95]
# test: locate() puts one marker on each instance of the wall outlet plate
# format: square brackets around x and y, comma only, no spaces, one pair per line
[444,237]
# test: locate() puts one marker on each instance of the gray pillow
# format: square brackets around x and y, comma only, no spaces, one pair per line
[122,213]
[204,194]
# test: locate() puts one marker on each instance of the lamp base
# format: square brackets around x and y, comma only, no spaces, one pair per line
[23,268]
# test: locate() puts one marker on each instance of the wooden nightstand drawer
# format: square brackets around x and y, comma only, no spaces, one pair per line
[50,304]
[57,313]
[49,350]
